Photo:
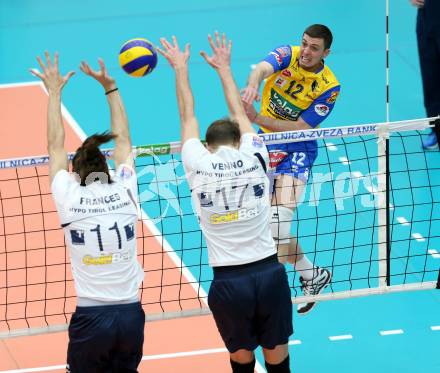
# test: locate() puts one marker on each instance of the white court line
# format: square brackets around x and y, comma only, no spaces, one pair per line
[434,253]
[418,237]
[22,84]
[144,358]
[436,327]
[344,160]
[402,220]
[340,337]
[295,342]
[391,332]
[39,369]
[330,146]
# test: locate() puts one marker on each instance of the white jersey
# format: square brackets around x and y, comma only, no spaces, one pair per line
[231,198]
[99,222]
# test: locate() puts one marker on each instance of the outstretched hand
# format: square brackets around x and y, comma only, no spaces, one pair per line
[173,54]
[51,77]
[221,52]
[101,76]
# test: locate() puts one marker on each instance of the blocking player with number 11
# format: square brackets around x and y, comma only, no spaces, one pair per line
[98,213]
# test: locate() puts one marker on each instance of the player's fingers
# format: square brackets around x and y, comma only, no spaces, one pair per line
[55,60]
[217,39]
[102,65]
[165,43]
[40,62]
[224,40]
[162,52]
[85,68]
[211,42]
[68,75]
[176,44]
[205,56]
[36,73]
[187,46]
[49,65]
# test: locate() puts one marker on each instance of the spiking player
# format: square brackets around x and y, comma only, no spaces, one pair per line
[300,92]
[249,296]
[99,215]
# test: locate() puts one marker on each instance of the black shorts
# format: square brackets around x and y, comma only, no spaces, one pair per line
[106,338]
[251,305]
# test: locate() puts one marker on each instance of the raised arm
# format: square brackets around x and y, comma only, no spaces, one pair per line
[179,62]
[251,93]
[54,83]
[118,115]
[221,62]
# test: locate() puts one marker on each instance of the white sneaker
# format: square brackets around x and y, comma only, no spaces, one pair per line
[313,287]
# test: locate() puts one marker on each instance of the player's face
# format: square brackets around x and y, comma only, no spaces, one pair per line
[312,52]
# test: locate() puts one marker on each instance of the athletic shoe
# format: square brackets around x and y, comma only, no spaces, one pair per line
[313,287]
[430,142]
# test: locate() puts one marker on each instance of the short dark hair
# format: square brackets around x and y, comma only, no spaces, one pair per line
[223,132]
[88,159]
[321,32]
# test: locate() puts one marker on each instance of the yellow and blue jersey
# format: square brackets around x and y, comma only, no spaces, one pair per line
[291,93]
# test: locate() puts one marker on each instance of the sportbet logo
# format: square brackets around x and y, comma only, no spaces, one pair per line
[106,259]
[233,216]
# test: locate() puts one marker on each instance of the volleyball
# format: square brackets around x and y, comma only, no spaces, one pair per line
[138,57]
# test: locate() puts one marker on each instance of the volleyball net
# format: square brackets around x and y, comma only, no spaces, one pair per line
[370,213]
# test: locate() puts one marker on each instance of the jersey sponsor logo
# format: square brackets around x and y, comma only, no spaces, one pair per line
[283,51]
[233,216]
[276,157]
[257,141]
[286,72]
[322,110]
[125,172]
[277,57]
[314,86]
[280,82]
[283,108]
[333,97]
[106,259]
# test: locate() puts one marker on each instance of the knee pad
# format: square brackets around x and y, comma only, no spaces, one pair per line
[283,367]
[280,223]
[243,368]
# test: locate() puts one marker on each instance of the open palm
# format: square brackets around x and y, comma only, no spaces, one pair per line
[101,76]
[221,51]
